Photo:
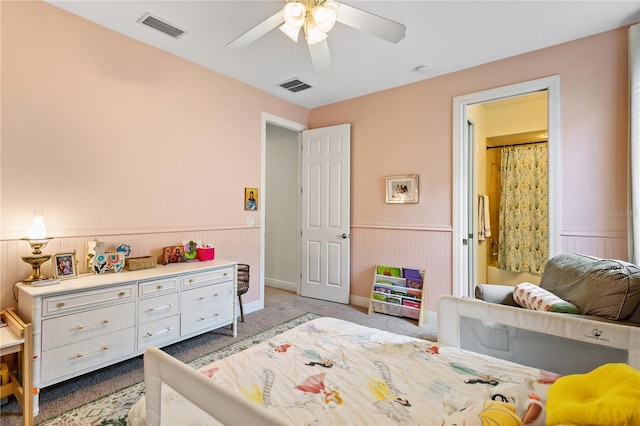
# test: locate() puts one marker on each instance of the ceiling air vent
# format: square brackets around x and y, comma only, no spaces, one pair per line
[161,25]
[295,85]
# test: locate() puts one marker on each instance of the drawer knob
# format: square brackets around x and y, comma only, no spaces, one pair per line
[190,280]
[122,293]
[225,274]
[200,298]
[159,287]
[60,304]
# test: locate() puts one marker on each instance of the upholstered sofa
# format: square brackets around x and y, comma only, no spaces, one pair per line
[600,289]
[605,292]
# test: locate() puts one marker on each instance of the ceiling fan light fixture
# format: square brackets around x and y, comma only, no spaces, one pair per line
[294,14]
[313,33]
[324,17]
[290,31]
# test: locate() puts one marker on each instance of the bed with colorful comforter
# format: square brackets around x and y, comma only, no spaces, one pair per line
[327,372]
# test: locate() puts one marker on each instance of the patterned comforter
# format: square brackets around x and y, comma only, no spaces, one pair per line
[333,372]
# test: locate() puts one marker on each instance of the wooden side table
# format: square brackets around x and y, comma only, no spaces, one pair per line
[17,351]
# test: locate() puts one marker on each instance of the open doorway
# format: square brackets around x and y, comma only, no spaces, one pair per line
[465,272]
[282,208]
[284,136]
[511,180]
[305,232]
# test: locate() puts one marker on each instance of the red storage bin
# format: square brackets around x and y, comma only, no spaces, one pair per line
[206,253]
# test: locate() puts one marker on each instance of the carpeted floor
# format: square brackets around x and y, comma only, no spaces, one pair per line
[280,306]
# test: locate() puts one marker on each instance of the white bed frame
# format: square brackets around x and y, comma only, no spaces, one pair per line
[223,406]
[564,344]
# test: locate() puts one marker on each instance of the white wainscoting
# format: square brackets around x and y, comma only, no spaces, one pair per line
[241,245]
[608,245]
[425,248]
[428,249]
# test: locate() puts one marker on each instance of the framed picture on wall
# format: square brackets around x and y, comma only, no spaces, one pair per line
[402,189]
[65,265]
[251,199]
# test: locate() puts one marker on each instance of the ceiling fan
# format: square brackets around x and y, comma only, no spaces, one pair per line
[316,18]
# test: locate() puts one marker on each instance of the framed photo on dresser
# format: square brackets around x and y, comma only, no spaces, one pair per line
[65,265]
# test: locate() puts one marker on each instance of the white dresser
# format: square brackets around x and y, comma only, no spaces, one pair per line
[92,321]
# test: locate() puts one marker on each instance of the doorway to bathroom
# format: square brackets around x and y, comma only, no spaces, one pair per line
[513,226]
[473,133]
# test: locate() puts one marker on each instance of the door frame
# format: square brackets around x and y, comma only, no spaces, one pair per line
[463,154]
[264,198]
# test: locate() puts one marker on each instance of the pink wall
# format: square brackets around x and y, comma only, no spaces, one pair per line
[409,130]
[122,141]
[126,137]
[131,140]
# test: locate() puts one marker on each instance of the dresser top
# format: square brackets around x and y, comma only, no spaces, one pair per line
[90,280]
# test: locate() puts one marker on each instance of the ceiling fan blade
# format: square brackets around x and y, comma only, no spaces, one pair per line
[320,56]
[258,31]
[364,21]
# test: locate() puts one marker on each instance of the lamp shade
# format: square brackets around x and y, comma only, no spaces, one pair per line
[294,14]
[313,33]
[37,230]
[325,17]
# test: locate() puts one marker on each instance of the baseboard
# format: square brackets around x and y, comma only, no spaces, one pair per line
[251,307]
[353,300]
[293,287]
[282,285]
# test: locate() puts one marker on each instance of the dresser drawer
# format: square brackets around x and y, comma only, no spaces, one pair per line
[209,277]
[207,296]
[87,300]
[87,354]
[206,318]
[159,286]
[157,307]
[73,328]
[158,333]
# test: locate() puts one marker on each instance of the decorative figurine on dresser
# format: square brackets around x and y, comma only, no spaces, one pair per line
[99,261]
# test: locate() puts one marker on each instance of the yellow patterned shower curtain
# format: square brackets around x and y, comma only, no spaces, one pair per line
[524,209]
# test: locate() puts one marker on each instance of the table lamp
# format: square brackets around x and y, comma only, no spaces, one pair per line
[37,240]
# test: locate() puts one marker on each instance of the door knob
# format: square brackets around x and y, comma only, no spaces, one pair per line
[343,236]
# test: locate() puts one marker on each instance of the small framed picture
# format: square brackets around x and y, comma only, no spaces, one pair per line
[402,189]
[251,198]
[65,265]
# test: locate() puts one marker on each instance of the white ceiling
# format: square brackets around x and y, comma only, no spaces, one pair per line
[447,35]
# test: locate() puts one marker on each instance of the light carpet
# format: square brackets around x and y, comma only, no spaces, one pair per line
[112,409]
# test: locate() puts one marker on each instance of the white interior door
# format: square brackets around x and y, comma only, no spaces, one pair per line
[326,225]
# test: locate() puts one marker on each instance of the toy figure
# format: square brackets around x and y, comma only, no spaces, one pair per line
[524,399]
[525,404]
[191,250]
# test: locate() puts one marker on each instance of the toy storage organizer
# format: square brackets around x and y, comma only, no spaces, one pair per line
[400,292]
